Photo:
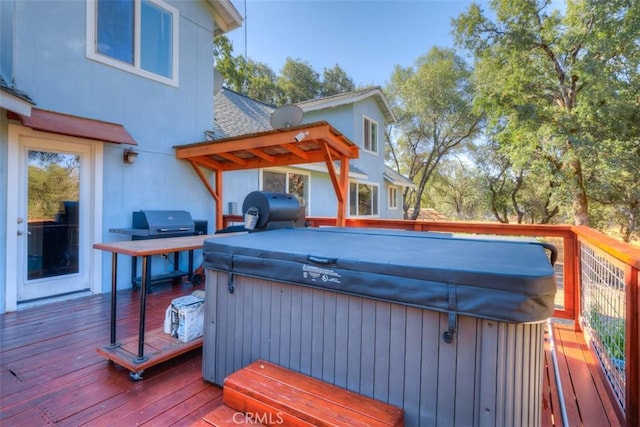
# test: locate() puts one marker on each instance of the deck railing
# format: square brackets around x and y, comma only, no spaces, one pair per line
[599,283]
[610,314]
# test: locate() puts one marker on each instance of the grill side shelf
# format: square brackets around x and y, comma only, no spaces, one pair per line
[140,232]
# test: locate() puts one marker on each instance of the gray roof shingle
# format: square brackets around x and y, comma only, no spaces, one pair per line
[5,87]
[236,114]
[396,178]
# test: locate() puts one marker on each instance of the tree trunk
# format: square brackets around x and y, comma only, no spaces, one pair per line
[580,205]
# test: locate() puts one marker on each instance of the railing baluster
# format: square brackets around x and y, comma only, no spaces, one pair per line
[632,350]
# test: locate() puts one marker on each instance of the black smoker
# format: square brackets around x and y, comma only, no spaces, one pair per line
[263,210]
[156,224]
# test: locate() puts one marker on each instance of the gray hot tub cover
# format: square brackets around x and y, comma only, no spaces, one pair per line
[505,280]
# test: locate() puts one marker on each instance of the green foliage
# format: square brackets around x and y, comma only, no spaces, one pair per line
[614,184]
[610,331]
[454,190]
[297,80]
[51,181]
[554,87]
[334,81]
[433,104]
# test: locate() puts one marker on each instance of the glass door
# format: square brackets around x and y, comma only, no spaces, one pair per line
[52,236]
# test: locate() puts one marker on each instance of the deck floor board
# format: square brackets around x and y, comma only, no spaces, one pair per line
[50,373]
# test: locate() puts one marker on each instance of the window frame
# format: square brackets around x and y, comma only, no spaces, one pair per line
[135,68]
[371,123]
[392,197]
[357,202]
[288,172]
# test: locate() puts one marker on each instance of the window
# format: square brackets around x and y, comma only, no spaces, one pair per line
[287,182]
[363,199]
[393,197]
[139,36]
[370,135]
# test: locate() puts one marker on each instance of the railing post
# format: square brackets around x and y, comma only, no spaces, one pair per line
[632,347]
[571,278]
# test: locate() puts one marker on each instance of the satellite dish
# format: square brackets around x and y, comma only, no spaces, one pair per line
[287,116]
[217,81]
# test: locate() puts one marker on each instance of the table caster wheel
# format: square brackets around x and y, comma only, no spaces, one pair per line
[135,376]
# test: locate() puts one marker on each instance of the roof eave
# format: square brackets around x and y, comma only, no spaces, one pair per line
[381,100]
[15,104]
[225,16]
[318,167]
[399,183]
[396,179]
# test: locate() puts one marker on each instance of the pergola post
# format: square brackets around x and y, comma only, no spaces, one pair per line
[344,188]
[219,220]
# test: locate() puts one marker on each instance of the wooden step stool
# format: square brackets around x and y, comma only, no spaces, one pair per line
[272,395]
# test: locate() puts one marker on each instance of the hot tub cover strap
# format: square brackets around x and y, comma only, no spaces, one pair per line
[450,335]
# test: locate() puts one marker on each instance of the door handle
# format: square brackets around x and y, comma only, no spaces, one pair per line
[20,233]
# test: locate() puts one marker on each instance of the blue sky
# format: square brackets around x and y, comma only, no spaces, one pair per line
[367,38]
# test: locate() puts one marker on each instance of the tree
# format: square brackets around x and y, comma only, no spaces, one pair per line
[612,119]
[334,81]
[433,104]
[262,83]
[232,68]
[523,191]
[538,70]
[615,187]
[455,190]
[52,179]
[298,81]
[251,78]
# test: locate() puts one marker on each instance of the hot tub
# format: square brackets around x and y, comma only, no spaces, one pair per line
[449,329]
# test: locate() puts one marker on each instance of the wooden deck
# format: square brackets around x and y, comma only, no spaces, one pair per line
[586,400]
[50,372]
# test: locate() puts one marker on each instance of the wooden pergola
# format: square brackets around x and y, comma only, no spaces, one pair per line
[308,143]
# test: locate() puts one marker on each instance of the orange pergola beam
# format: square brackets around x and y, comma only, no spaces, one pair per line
[258,141]
[215,193]
[339,183]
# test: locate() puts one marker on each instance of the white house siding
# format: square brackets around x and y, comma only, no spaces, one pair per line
[50,64]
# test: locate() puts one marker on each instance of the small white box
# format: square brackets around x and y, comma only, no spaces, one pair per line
[187,317]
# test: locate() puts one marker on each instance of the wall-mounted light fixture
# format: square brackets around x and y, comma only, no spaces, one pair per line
[302,135]
[129,156]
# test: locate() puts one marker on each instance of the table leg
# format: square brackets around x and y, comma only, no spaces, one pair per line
[134,270]
[190,264]
[114,275]
[176,261]
[143,303]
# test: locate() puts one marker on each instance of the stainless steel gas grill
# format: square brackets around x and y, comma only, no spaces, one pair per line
[156,224]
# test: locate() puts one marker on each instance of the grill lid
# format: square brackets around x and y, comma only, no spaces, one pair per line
[164,222]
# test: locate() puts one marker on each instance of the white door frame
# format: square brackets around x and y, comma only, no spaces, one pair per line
[93,219]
